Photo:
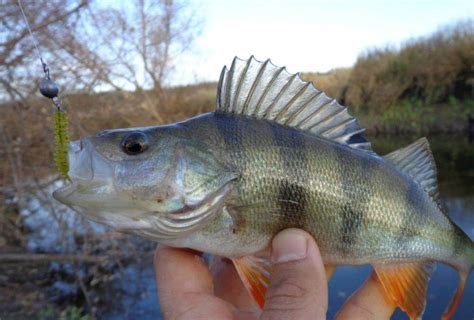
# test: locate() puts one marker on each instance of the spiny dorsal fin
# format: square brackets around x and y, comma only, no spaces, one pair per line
[265,91]
[417,161]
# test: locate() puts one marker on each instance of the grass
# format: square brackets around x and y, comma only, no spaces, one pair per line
[70,313]
[431,69]
[427,85]
[412,115]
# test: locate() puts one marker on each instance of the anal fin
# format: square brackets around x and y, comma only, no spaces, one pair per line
[405,285]
[255,274]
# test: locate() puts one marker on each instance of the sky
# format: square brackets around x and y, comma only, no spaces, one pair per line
[307,35]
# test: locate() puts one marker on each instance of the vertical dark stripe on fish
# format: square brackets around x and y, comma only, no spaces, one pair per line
[459,243]
[406,229]
[351,226]
[292,205]
[353,212]
[292,196]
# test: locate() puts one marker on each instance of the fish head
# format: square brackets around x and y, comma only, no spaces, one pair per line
[158,182]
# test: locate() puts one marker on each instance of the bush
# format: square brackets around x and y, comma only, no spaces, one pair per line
[431,69]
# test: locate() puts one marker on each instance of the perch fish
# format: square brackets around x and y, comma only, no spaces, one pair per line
[276,153]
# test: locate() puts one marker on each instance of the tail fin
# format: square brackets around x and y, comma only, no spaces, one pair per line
[448,314]
[463,274]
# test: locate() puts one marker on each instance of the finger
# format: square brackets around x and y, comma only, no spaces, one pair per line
[298,287]
[185,287]
[367,303]
[228,286]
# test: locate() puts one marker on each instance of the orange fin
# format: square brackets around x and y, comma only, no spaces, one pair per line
[405,285]
[255,274]
[329,268]
[448,314]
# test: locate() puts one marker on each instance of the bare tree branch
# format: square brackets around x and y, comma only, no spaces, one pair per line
[48,258]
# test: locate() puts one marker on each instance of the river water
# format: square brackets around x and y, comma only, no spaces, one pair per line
[132,294]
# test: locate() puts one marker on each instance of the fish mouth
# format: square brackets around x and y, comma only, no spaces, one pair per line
[154,225]
[64,192]
[73,192]
[89,174]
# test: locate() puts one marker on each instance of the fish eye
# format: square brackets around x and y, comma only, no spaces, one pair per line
[134,143]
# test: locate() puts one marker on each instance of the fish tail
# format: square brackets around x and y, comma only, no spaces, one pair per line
[470,257]
[449,313]
[464,271]
[471,254]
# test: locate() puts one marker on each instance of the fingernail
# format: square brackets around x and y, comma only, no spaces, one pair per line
[289,245]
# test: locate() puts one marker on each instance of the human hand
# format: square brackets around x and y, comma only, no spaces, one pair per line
[187,289]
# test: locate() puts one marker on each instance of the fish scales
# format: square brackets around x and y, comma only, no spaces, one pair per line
[277,153]
[313,183]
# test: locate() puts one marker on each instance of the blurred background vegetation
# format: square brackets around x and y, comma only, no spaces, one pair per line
[427,85]
[112,64]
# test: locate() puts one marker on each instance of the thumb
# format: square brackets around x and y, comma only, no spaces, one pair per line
[298,288]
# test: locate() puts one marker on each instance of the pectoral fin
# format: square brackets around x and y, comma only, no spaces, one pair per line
[405,285]
[255,274]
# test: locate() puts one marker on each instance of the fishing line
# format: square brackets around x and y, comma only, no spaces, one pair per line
[33,39]
[50,89]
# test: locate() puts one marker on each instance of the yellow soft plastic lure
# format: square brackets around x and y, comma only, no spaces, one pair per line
[61,141]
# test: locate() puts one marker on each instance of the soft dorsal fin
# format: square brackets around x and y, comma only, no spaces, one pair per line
[265,91]
[417,161]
